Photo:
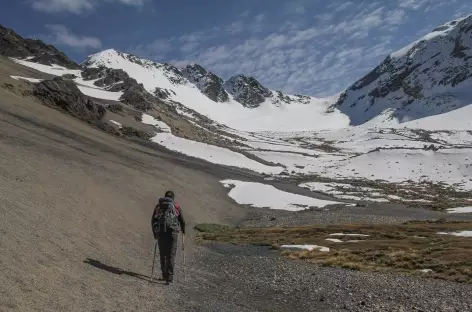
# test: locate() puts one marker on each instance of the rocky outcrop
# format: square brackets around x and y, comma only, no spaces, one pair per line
[428,77]
[247,90]
[13,45]
[65,95]
[163,93]
[210,84]
[114,80]
[139,98]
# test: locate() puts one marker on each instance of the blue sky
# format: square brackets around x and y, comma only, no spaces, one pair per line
[313,47]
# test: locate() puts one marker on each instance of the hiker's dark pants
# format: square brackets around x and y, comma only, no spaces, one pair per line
[167,251]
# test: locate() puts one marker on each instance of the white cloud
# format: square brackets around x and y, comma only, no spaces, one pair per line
[415,4]
[296,7]
[338,7]
[76,6]
[235,27]
[157,49]
[316,54]
[395,17]
[63,36]
[291,57]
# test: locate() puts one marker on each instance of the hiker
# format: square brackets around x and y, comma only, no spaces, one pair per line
[167,221]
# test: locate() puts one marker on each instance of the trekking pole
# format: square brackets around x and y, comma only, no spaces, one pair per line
[153,260]
[183,254]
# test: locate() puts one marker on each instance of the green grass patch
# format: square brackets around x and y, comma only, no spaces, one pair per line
[212,228]
[408,248]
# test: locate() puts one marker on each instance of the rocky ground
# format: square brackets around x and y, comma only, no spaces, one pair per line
[254,279]
[75,203]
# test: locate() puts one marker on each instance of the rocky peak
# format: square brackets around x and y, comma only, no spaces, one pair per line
[13,45]
[247,90]
[427,77]
[210,84]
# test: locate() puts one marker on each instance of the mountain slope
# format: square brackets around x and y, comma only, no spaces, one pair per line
[428,77]
[226,102]
[13,45]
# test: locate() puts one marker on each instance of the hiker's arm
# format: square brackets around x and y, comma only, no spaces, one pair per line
[181,221]
[152,220]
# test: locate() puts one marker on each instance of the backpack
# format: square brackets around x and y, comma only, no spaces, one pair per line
[167,216]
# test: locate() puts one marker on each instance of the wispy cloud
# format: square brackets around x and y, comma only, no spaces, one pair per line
[77,6]
[156,50]
[317,54]
[61,35]
[296,7]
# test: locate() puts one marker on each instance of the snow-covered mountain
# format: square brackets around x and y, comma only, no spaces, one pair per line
[430,76]
[240,102]
[247,91]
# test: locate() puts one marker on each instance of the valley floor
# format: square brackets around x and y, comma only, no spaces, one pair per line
[75,206]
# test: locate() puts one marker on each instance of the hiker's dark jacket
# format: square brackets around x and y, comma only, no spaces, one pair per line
[180,217]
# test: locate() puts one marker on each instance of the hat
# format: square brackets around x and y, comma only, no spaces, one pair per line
[169,194]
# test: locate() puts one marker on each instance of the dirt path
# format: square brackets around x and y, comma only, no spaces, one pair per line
[69,192]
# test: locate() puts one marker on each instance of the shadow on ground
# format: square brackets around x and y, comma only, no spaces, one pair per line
[118,271]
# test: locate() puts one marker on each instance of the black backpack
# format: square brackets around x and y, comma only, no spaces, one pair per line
[167,216]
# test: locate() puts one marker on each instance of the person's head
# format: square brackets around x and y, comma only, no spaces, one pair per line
[169,194]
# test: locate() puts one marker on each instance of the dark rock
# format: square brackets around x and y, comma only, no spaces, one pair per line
[65,95]
[113,80]
[132,132]
[13,45]
[210,84]
[69,76]
[163,93]
[115,108]
[247,90]
[139,98]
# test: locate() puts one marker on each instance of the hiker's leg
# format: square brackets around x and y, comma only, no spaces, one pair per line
[162,255]
[173,238]
[167,253]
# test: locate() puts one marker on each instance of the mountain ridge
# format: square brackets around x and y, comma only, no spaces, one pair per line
[14,45]
[246,90]
[430,76]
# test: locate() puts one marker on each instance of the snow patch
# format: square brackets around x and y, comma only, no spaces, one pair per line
[33,80]
[100,94]
[460,210]
[306,247]
[210,153]
[349,234]
[149,120]
[334,240]
[116,123]
[461,233]
[267,196]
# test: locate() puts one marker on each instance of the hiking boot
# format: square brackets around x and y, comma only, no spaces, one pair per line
[163,277]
